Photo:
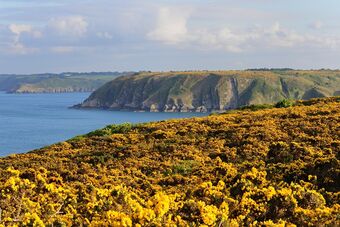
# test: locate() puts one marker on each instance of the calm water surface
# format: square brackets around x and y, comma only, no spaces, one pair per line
[30,121]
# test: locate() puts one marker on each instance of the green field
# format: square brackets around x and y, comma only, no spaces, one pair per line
[51,83]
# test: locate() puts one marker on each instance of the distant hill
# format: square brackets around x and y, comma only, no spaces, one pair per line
[203,91]
[271,167]
[55,83]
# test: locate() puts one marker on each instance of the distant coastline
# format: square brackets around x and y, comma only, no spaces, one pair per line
[56,83]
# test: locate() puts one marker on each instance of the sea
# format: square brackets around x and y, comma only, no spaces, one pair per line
[32,121]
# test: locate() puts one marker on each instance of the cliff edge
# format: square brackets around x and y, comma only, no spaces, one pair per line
[210,90]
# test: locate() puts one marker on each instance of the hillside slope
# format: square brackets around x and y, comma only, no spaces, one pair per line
[273,166]
[211,91]
[55,83]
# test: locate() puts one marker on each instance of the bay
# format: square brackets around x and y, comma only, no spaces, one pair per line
[31,121]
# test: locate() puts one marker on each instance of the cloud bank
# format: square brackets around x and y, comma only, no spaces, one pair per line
[162,35]
[71,26]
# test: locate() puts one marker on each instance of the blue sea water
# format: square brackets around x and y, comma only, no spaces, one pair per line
[31,121]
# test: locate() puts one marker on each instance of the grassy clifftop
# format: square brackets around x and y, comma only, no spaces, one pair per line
[211,90]
[55,83]
[273,166]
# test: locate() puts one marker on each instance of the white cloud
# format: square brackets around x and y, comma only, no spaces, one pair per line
[276,36]
[282,37]
[19,29]
[223,38]
[71,26]
[16,46]
[176,32]
[171,26]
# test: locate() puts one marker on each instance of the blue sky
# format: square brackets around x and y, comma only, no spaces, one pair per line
[122,35]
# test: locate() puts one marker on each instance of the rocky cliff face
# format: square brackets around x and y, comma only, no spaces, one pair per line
[210,91]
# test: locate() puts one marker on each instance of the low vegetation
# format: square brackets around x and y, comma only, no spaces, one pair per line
[258,167]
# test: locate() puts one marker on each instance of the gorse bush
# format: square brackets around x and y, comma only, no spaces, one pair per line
[112,129]
[285,103]
[272,167]
[254,107]
[281,104]
[185,167]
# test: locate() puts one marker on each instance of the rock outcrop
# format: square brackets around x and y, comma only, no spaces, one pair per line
[210,91]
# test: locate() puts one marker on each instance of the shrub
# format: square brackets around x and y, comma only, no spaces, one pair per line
[185,167]
[255,107]
[113,129]
[285,103]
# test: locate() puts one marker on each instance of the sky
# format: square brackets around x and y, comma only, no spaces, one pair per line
[38,36]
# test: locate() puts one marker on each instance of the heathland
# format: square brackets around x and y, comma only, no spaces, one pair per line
[267,165]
